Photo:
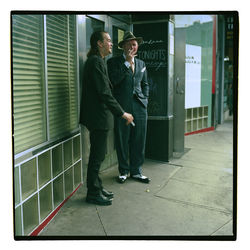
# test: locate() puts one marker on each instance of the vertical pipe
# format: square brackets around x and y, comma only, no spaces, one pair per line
[214,56]
[81,58]
[213,72]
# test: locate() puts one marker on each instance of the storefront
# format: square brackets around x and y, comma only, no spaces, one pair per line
[50,149]
[48,54]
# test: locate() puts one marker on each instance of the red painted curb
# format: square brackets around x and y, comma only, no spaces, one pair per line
[51,216]
[201,131]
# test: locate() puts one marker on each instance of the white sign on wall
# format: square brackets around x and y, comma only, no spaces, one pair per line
[193,76]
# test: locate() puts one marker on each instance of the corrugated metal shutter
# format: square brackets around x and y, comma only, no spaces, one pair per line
[73,72]
[61,70]
[28,87]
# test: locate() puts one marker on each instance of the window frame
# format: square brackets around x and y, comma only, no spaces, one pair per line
[29,152]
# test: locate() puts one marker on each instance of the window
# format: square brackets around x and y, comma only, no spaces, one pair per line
[45,100]
[117,37]
[198,64]
[92,25]
[28,81]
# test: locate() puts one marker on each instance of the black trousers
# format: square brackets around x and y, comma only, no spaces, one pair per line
[98,147]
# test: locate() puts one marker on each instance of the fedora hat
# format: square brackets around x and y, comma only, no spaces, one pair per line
[128,36]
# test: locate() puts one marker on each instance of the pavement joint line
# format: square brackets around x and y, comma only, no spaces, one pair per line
[177,165]
[209,170]
[174,172]
[156,161]
[205,148]
[203,161]
[219,155]
[221,170]
[201,184]
[196,205]
[167,181]
[101,221]
[222,226]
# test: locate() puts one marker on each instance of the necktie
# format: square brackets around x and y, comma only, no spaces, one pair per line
[132,66]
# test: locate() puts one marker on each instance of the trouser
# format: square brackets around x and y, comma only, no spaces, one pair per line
[130,143]
[98,147]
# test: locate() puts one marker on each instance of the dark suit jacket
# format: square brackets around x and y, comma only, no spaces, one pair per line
[127,85]
[97,101]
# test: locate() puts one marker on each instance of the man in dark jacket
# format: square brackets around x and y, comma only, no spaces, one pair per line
[128,76]
[96,107]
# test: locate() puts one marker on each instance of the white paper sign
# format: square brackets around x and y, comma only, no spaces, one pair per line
[193,76]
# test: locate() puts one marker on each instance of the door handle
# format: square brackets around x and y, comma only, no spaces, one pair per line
[179,89]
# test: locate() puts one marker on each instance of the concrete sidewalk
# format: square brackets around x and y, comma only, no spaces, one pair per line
[190,196]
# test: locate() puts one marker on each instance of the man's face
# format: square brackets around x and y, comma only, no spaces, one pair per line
[106,44]
[130,45]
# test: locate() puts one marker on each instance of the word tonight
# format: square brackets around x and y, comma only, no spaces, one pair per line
[154,55]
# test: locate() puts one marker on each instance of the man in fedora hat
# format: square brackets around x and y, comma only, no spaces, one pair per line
[128,76]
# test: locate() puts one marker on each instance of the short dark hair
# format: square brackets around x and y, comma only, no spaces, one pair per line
[95,37]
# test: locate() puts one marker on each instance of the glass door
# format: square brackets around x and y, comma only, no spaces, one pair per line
[118,30]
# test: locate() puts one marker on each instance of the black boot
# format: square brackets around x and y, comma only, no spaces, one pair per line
[107,193]
[99,199]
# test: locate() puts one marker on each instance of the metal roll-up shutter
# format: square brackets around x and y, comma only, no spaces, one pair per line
[61,71]
[28,77]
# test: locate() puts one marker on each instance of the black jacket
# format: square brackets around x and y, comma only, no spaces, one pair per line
[97,104]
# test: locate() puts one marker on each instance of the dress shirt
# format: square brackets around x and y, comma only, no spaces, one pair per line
[127,64]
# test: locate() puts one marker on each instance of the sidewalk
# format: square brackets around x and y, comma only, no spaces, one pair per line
[190,196]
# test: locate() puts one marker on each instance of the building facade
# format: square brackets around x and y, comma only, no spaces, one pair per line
[190,62]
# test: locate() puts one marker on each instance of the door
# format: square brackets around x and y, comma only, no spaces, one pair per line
[179,92]
[118,30]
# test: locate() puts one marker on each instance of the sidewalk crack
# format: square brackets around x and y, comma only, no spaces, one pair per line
[165,183]
[221,210]
[222,226]
[101,221]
